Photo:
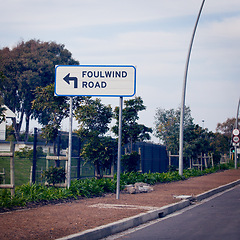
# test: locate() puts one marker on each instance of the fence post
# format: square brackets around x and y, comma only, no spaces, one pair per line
[169,159]
[79,158]
[12,176]
[57,162]
[34,156]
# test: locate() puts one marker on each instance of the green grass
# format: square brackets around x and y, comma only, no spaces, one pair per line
[22,170]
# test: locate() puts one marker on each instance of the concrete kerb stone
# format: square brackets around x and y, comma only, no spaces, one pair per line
[126,223]
[214,191]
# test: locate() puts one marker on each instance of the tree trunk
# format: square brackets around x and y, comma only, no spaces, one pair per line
[98,172]
[27,128]
[17,126]
[131,145]
[16,131]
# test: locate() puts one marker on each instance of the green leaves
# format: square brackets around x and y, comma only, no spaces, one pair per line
[130,162]
[55,175]
[101,151]
[92,187]
[131,130]
[150,178]
[167,126]
[49,110]
[25,67]
[93,117]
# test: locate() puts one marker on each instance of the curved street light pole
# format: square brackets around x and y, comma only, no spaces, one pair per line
[184,94]
[236,126]
[236,123]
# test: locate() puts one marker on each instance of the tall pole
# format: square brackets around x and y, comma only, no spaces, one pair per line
[236,123]
[119,147]
[184,94]
[69,145]
[235,147]
[34,156]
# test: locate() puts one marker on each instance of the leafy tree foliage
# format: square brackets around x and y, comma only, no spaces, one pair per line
[220,144]
[49,110]
[101,151]
[130,162]
[223,135]
[167,123]
[93,118]
[55,175]
[2,109]
[27,66]
[196,139]
[226,127]
[131,130]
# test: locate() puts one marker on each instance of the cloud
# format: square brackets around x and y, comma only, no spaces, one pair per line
[153,35]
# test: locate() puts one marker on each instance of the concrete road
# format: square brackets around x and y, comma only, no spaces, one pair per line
[217,218]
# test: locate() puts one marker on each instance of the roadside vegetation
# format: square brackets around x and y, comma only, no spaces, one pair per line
[40,194]
[27,76]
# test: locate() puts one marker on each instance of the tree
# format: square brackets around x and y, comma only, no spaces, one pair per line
[226,127]
[220,144]
[2,110]
[197,141]
[131,130]
[27,66]
[167,127]
[50,110]
[93,118]
[100,151]
[223,135]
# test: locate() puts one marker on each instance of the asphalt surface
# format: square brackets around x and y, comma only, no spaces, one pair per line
[217,218]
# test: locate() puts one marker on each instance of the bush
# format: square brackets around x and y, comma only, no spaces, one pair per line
[55,175]
[130,161]
[91,187]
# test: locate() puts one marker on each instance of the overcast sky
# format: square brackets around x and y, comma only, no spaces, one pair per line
[152,35]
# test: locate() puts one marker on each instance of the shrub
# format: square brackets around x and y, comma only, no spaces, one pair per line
[90,187]
[55,175]
[130,161]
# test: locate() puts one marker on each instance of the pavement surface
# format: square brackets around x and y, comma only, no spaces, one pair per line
[214,218]
[100,217]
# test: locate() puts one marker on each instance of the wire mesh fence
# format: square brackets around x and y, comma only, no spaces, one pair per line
[35,151]
[32,158]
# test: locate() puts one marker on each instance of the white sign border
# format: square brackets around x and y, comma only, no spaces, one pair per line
[98,95]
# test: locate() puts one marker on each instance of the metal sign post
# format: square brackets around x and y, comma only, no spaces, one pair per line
[97,81]
[119,147]
[70,145]
[235,140]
